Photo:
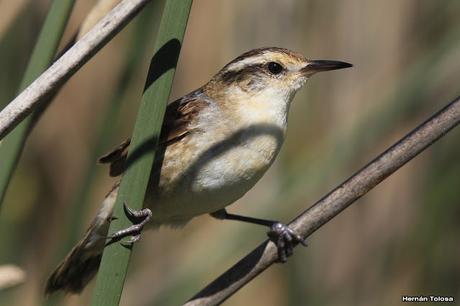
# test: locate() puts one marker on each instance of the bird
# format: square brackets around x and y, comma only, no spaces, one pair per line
[215,144]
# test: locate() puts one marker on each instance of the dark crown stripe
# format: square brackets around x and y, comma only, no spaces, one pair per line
[231,76]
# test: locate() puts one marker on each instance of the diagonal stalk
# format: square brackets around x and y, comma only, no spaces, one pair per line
[333,203]
[114,264]
[42,56]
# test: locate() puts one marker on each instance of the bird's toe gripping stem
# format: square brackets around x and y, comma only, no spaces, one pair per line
[139,218]
[285,239]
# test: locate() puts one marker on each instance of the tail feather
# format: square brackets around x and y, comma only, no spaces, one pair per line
[82,263]
[74,272]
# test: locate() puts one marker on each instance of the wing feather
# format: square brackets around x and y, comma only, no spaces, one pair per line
[178,122]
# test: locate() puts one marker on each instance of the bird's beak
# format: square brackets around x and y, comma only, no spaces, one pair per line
[314,66]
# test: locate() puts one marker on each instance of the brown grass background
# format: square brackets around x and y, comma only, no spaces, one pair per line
[400,239]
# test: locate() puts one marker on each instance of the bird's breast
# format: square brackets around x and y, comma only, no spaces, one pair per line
[238,161]
[212,169]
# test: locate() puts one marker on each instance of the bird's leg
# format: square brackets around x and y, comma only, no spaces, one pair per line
[139,218]
[279,233]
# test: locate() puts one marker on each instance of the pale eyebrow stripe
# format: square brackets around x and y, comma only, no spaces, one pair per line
[249,61]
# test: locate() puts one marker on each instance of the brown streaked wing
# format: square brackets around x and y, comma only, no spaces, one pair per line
[116,158]
[176,125]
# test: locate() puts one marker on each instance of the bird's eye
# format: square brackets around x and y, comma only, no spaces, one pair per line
[274,67]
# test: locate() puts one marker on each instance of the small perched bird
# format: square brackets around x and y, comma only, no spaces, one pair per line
[216,143]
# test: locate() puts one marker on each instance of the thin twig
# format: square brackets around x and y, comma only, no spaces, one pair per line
[333,203]
[98,11]
[68,64]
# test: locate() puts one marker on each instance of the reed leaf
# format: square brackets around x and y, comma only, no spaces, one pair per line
[114,264]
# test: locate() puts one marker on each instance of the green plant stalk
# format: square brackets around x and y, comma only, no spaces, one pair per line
[42,56]
[136,50]
[114,264]
[13,51]
[146,24]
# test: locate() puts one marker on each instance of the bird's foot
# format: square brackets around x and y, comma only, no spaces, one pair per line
[139,218]
[285,239]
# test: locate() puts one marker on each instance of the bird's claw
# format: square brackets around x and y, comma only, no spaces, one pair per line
[285,239]
[139,218]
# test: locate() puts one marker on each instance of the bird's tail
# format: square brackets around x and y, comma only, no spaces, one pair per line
[82,263]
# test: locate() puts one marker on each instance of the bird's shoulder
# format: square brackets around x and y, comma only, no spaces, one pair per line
[181,116]
[179,120]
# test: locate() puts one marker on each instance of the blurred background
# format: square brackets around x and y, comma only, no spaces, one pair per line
[400,239]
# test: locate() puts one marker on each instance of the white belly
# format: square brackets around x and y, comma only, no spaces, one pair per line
[213,177]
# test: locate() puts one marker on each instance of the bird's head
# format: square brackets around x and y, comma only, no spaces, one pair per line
[276,72]
[258,86]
